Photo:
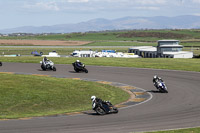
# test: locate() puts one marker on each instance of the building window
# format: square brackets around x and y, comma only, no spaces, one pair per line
[168,43]
[171,49]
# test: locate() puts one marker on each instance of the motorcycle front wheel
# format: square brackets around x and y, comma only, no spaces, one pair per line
[54,68]
[86,71]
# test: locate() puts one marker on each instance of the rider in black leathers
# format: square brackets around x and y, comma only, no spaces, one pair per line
[78,64]
[98,101]
[155,80]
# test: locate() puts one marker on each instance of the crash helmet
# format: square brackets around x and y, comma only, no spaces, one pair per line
[155,77]
[93,98]
[77,61]
[45,58]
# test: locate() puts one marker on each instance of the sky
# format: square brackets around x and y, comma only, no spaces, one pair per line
[17,13]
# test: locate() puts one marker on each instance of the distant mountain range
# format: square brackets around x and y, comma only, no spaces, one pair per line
[100,24]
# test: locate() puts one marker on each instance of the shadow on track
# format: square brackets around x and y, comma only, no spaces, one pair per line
[75,72]
[90,113]
[154,91]
[72,72]
[43,70]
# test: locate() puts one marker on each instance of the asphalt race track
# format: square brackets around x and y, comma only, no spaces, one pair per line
[180,108]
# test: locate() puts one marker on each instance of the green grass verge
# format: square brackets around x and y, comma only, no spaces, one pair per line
[155,63]
[123,43]
[190,130]
[189,37]
[28,96]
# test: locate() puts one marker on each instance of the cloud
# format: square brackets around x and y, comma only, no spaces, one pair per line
[119,1]
[43,5]
[151,2]
[196,14]
[78,1]
[90,6]
[196,1]
[147,8]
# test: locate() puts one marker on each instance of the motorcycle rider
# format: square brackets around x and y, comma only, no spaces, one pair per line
[78,64]
[46,62]
[155,80]
[45,59]
[96,100]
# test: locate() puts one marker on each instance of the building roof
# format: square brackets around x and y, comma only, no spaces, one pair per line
[180,46]
[141,47]
[168,40]
[153,49]
[145,48]
[175,53]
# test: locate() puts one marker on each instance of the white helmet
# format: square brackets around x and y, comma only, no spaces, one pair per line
[93,98]
[77,61]
[155,76]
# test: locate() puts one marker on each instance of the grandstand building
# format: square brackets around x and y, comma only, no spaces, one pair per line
[164,49]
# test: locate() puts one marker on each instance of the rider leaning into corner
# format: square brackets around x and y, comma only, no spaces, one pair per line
[78,63]
[96,100]
[156,79]
[45,59]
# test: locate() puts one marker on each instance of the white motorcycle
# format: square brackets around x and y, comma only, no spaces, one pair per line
[161,87]
[47,65]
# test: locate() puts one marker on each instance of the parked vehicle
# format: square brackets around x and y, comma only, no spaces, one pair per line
[1,63]
[35,53]
[47,64]
[79,67]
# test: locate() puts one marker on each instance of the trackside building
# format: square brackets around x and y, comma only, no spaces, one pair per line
[164,49]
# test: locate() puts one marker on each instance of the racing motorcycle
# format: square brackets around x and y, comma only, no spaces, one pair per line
[161,86]
[47,65]
[79,68]
[104,108]
[1,63]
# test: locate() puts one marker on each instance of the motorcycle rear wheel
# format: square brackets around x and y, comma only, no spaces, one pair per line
[100,111]
[43,68]
[76,70]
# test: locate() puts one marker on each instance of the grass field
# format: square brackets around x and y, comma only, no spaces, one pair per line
[120,43]
[30,96]
[189,37]
[190,130]
[155,63]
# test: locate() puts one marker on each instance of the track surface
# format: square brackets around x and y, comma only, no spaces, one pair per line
[179,108]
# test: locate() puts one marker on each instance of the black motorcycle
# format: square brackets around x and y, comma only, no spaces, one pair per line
[1,64]
[104,108]
[79,68]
